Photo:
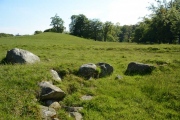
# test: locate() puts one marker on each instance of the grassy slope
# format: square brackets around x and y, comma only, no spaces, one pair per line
[154,96]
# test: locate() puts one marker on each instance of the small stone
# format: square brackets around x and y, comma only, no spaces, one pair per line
[55,119]
[76,115]
[55,75]
[86,97]
[118,77]
[53,104]
[47,113]
[73,109]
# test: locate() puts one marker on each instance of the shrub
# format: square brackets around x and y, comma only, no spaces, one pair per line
[37,32]
[6,35]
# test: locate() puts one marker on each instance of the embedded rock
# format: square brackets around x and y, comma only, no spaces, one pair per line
[86,97]
[87,70]
[139,68]
[73,109]
[55,75]
[50,92]
[53,104]
[106,69]
[21,56]
[118,77]
[47,113]
[76,115]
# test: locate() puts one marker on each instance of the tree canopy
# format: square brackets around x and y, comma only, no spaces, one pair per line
[57,24]
[93,28]
[162,26]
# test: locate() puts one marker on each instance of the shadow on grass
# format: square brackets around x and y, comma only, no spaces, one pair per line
[63,72]
[3,61]
[146,72]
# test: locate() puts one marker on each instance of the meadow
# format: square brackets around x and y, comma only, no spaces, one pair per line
[142,97]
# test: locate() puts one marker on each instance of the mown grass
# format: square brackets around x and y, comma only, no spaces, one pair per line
[154,96]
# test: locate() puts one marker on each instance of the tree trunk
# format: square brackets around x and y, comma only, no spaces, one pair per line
[105,38]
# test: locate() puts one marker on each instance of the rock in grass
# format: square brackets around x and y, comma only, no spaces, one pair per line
[73,109]
[87,97]
[87,70]
[76,115]
[139,68]
[106,69]
[53,104]
[47,113]
[21,56]
[118,77]
[55,75]
[50,92]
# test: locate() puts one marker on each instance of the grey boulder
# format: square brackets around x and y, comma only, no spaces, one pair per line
[139,68]
[50,92]
[105,69]
[17,55]
[87,70]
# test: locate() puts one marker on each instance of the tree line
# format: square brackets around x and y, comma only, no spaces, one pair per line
[5,35]
[94,29]
[162,26]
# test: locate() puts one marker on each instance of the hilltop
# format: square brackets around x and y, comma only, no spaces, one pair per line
[152,96]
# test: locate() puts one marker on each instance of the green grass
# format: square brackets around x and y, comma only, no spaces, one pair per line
[154,96]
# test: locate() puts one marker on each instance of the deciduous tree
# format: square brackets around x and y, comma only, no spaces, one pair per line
[57,24]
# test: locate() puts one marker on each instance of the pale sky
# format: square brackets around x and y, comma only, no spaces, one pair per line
[26,16]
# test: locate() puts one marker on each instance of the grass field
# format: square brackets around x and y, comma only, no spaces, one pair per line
[154,96]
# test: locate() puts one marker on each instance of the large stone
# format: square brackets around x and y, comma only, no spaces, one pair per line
[21,56]
[87,70]
[139,68]
[55,75]
[50,92]
[106,69]
[47,113]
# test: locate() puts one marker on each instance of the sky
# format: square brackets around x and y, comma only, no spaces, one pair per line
[26,16]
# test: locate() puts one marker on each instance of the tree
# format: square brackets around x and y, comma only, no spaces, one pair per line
[37,32]
[95,29]
[163,24]
[79,25]
[116,31]
[165,20]
[6,35]
[127,32]
[107,27]
[57,24]
[174,16]
[144,32]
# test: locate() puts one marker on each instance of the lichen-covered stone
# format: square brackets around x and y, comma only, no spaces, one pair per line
[21,56]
